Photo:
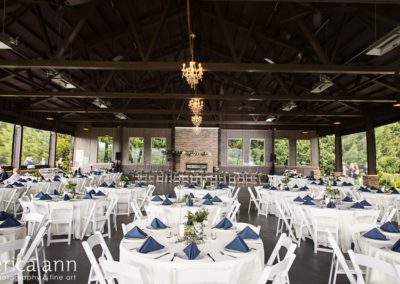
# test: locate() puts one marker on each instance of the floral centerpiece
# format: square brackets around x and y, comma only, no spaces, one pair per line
[70,187]
[194,225]
[124,180]
[331,193]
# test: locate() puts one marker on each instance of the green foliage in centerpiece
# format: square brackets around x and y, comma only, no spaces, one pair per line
[197,217]
[332,192]
[124,178]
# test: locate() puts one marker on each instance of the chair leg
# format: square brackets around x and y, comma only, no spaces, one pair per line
[85,228]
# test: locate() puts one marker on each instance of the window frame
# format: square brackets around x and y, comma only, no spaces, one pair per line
[297,160]
[151,150]
[227,151]
[97,150]
[22,147]
[276,157]
[144,146]
[263,162]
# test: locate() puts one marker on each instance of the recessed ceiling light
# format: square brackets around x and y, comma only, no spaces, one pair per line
[396,105]
[85,129]
[305,132]
[50,118]
[270,61]
[337,122]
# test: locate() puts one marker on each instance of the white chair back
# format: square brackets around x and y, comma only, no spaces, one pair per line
[278,272]
[116,270]
[34,222]
[283,242]
[356,231]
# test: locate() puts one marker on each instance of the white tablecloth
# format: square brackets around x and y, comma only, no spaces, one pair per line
[198,192]
[245,267]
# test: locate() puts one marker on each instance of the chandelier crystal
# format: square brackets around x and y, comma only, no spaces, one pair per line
[197,120]
[193,73]
[196,105]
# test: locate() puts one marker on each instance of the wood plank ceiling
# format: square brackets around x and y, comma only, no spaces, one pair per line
[129,53]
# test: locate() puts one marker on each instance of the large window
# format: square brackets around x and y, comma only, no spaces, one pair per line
[282,152]
[6,143]
[388,149]
[136,150]
[235,151]
[354,154]
[35,147]
[303,152]
[158,148]
[257,152]
[64,151]
[104,149]
[327,158]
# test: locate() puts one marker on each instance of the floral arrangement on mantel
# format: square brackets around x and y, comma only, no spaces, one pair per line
[194,226]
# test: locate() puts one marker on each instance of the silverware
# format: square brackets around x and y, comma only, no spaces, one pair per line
[172,259]
[227,254]
[209,255]
[133,248]
[162,255]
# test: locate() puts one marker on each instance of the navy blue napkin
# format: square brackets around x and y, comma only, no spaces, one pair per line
[100,193]
[334,183]
[92,191]
[365,203]
[4,215]
[66,197]
[313,182]
[298,199]
[304,188]
[364,189]
[55,192]
[308,202]
[191,251]
[157,224]
[150,245]
[348,199]
[307,197]
[295,186]
[273,188]
[168,195]
[22,180]
[29,179]
[331,205]
[34,181]
[135,233]
[156,198]
[104,184]
[266,186]
[379,191]
[113,183]
[166,202]
[216,199]
[191,186]
[87,196]
[207,202]
[17,184]
[375,234]
[238,244]
[357,205]
[394,190]
[248,233]
[389,227]
[10,222]
[321,182]
[39,194]
[45,197]
[225,224]
[287,188]
[207,196]
[56,179]
[111,186]
[139,184]
[396,246]
[9,186]
[189,202]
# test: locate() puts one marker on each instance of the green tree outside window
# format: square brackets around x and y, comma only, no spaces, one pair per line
[235,151]
[64,149]
[35,147]
[282,152]
[136,150]
[303,152]
[257,152]
[6,143]
[327,158]
[104,149]
[158,148]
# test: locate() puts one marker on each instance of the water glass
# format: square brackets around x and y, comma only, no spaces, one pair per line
[213,235]
[169,234]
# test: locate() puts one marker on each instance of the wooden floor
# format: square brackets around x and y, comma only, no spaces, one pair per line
[307,268]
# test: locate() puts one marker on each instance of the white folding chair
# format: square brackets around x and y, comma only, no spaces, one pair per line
[300,224]
[284,220]
[34,222]
[253,200]
[283,242]
[137,213]
[13,200]
[339,263]
[323,220]
[114,270]
[96,273]
[388,215]
[264,201]
[236,193]
[202,275]
[366,216]
[11,270]
[124,199]
[61,215]
[26,205]
[372,263]
[233,211]
[277,273]
[356,231]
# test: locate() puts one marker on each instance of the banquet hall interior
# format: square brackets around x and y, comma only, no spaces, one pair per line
[200,141]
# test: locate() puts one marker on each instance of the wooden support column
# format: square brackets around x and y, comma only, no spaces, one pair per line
[52,150]
[292,152]
[173,147]
[272,156]
[315,152]
[17,146]
[338,152]
[121,146]
[371,151]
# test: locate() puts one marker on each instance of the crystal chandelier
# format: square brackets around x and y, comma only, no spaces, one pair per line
[197,120]
[196,105]
[194,71]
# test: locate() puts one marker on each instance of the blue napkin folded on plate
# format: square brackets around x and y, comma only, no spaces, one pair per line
[394,190]
[56,179]
[348,199]
[166,202]
[55,192]
[168,195]
[9,186]
[104,184]
[266,186]
[207,196]
[295,186]
[238,244]
[45,197]
[313,182]
[191,251]
[87,196]
[17,184]
[365,203]
[150,245]
[308,202]
[216,199]
[307,197]
[39,194]
[357,205]
[334,183]
[191,186]
[396,246]
[92,191]
[287,188]
[248,233]
[225,224]
[375,234]
[273,188]
[111,186]
[390,228]
[10,222]
[135,233]
[156,198]
[379,191]
[113,183]
[22,180]
[298,199]
[331,205]
[100,193]
[321,182]
[4,215]
[364,189]
[66,197]
[189,202]
[207,202]
[29,179]
[304,188]
[157,224]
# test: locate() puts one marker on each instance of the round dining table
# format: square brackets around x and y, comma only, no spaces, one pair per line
[161,265]
[199,192]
